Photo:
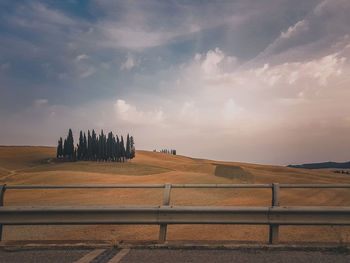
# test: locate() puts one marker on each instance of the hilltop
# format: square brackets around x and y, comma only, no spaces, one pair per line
[17,163]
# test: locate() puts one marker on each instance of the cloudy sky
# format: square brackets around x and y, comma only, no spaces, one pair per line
[257,81]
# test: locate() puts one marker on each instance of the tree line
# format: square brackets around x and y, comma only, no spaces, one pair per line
[95,147]
[171,151]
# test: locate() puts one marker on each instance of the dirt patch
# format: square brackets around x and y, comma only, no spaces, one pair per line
[234,172]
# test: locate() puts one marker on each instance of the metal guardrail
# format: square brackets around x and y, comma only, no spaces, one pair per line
[166,214]
[177,186]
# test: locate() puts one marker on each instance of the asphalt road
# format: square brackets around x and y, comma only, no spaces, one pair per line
[168,255]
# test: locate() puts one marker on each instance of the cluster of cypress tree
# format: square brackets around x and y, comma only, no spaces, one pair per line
[171,151]
[96,148]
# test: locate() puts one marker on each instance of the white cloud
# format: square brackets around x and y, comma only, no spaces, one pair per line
[35,13]
[215,61]
[88,72]
[230,110]
[212,59]
[145,25]
[313,36]
[128,63]
[197,56]
[280,106]
[128,113]
[81,57]
[40,102]
[318,70]
[300,26]
[256,100]
[189,114]
[300,74]
[116,36]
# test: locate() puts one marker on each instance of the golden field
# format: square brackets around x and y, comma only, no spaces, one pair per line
[38,166]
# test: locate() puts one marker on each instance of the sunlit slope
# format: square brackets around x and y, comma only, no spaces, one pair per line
[28,161]
[14,158]
[37,165]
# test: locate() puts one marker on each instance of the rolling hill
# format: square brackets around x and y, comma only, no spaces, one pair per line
[37,165]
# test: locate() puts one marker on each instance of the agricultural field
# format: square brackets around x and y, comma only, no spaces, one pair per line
[38,166]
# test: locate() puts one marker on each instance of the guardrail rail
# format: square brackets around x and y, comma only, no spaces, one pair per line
[274,215]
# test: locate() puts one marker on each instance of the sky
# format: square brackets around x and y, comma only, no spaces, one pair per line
[253,81]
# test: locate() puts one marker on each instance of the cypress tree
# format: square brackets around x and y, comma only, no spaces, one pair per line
[109,146]
[74,155]
[65,147]
[132,146]
[128,148]
[118,149]
[100,148]
[104,148]
[94,145]
[89,147]
[70,144]
[84,147]
[114,152]
[122,148]
[80,146]
[59,148]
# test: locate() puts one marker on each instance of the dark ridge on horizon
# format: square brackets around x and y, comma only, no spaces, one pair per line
[50,146]
[344,165]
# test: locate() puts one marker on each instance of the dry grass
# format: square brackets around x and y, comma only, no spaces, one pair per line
[36,165]
[234,172]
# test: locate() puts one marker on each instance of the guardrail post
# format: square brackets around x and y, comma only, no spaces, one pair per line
[2,192]
[274,229]
[166,202]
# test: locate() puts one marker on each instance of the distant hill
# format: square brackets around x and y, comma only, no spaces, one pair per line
[345,165]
